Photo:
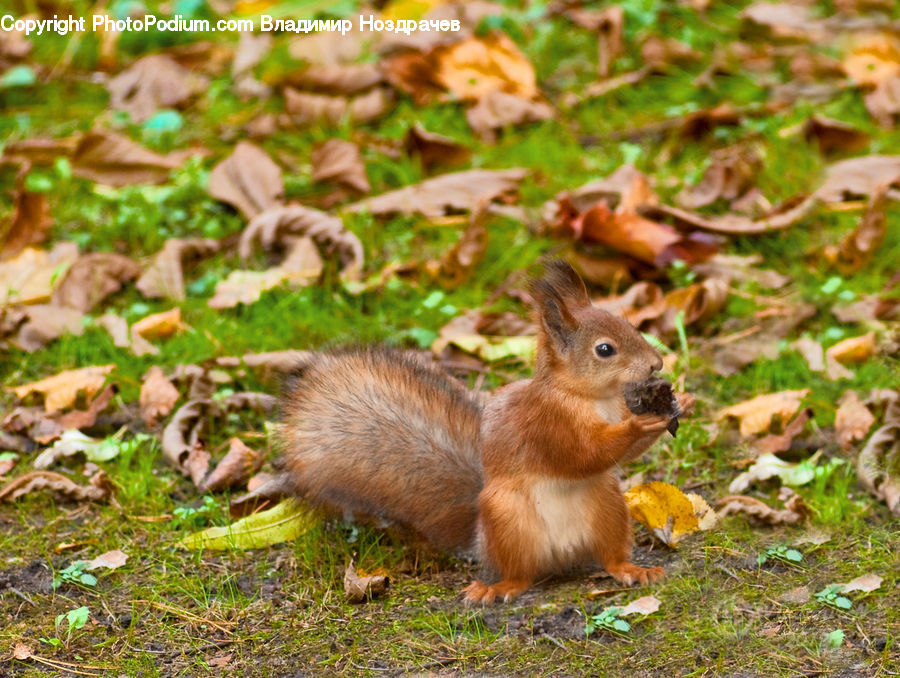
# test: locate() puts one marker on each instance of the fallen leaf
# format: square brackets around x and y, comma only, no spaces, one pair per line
[44,323]
[340,161]
[327,231]
[812,352]
[773,443]
[88,417]
[471,68]
[435,149]
[794,511]
[248,179]
[302,266]
[159,325]
[305,109]
[22,651]
[435,197]
[786,21]
[731,268]
[850,350]
[92,278]
[111,560]
[858,247]
[834,136]
[769,466]
[114,159]
[100,487]
[644,605]
[667,512]
[164,276]
[153,82]
[158,396]
[731,173]
[29,277]
[74,441]
[852,420]
[781,218]
[337,78]
[285,522]
[251,49]
[61,390]
[756,414]
[459,262]
[272,361]
[360,587]
[866,583]
[464,332]
[30,221]
[878,464]
[238,464]
[8,460]
[858,178]
[872,58]
[496,110]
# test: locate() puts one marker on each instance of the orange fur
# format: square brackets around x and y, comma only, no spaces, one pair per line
[527,479]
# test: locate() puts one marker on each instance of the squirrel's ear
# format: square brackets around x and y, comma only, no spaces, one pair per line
[554,315]
[563,279]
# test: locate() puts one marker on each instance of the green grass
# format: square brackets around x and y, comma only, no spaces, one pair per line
[281,610]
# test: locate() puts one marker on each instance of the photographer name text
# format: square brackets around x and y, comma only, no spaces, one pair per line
[264,23]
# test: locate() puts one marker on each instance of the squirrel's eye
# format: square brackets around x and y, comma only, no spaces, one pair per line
[605,350]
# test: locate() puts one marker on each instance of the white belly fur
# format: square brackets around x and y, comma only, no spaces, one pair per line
[564,507]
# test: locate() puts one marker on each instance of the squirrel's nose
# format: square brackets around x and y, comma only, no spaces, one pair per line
[657,365]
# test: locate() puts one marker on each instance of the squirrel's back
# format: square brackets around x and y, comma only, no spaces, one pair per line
[377,433]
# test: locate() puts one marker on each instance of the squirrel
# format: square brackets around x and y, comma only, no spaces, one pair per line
[524,481]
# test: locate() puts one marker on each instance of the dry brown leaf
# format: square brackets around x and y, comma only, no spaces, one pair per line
[29,277]
[238,464]
[328,48]
[435,197]
[92,278]
[731,268]
[781,218]
[30,220]
[44,323]
[858,178]
[872,58]
[158,396]
[85,418]
[111,560]
[153,82]
[496,110]
[786,21]
[117,327]
[414,74]
[272,361]
[272,228]
[471,68]
[337,78]
[774,443]
[181,439]
[460,261]
[865,583]
[302,266]
[812,352]
[100,487]
[360,587]
[435,149]
[883,102]
[857,249]
[39,152]
[61,390]
[114,159]
[852,420]
[834,136]
[8,463]
[794,511]
[164,276]
[878,464]
[644,605]
[731,173]
[248,179]
[251,49]
[340,161]
[306,109]
[756,414]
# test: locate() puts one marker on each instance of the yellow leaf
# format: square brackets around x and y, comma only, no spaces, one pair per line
[853,350]
[475,67]
[61,390]
[159,324]
[668,512]
[29,277]
[286,521]
[409,9]
[756,414]
[872,59]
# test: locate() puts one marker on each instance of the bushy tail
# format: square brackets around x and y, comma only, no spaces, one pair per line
[379,434]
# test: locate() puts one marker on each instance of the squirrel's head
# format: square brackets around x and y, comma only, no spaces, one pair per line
[590,351]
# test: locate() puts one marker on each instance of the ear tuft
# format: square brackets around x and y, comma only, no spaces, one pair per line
[567,284]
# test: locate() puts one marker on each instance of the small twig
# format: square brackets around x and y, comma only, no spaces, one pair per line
[554,641]
[23,596]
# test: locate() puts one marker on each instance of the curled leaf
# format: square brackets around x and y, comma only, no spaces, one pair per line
[99,488]
[360,587]
[285,522]
[756,414]
[667,512]
[61,390]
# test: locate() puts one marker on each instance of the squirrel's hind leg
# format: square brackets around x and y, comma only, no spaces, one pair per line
[612,538]
[478,592]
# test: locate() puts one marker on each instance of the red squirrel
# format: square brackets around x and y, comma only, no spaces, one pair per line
[524,481]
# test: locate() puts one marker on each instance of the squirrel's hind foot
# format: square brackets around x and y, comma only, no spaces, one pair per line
[478,592]
[630,574]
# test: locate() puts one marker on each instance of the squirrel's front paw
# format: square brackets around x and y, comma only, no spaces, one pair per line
[650,424]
